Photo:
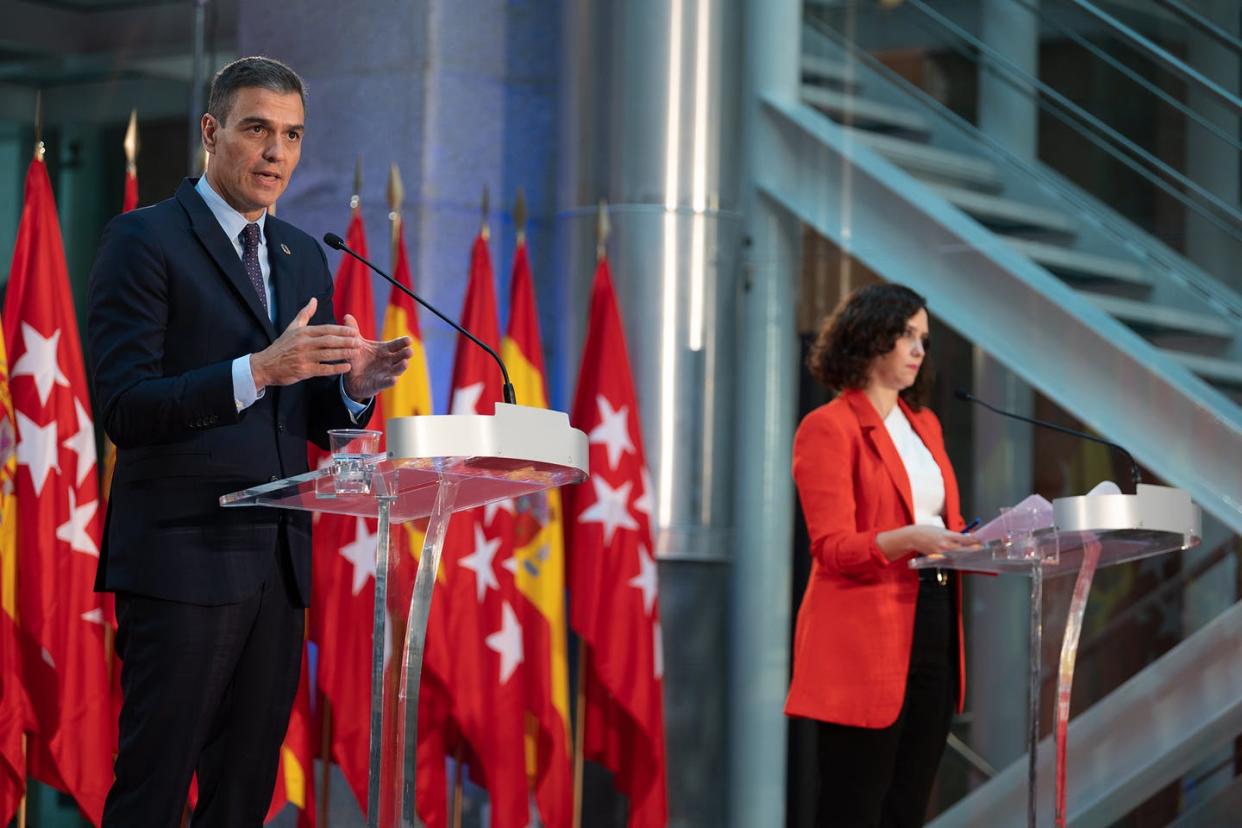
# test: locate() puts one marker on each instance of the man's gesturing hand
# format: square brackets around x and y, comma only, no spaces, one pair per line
[305,351]
[375,366]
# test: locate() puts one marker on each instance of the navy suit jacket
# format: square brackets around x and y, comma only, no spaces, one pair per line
[171,307]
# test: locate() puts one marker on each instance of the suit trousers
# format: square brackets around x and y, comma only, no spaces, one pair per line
[873,777]
[207,690]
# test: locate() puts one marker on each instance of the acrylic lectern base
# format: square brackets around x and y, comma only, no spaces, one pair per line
[434,466]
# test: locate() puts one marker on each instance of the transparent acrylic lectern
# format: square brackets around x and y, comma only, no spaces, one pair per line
[1085,533]
[434,466]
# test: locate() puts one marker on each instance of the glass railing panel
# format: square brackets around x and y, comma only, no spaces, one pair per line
[1135,140]
[1127,190]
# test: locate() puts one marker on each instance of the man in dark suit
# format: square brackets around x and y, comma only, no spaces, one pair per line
[216,358]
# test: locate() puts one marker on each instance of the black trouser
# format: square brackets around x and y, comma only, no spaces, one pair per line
[883,777]
[207,690]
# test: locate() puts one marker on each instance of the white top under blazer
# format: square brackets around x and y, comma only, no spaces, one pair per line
[926,481]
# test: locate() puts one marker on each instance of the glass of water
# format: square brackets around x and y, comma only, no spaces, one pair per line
[355,452]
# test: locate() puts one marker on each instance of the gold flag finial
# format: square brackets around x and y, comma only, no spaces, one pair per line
[603,229]
[396,191]
[520,214]
[131,142]
[356,198]
[38,125]
[396,196]
[484,230]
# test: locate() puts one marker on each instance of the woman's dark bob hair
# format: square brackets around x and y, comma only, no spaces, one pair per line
[866,324]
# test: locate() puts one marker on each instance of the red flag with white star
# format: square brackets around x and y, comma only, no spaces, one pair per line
[343,574]
[613,586]
[478,642]
[539,546]
[58,525]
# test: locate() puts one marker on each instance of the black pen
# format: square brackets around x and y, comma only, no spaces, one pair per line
[972,525]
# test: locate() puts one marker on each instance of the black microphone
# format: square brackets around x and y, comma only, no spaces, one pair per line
[337,243]
[1135,475]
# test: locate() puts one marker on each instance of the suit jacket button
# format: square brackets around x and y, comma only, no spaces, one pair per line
[280,425]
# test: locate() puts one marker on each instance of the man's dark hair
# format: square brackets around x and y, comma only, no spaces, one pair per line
[261,72]
[866,324]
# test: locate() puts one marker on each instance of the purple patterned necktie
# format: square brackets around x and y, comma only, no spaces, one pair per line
[250,259]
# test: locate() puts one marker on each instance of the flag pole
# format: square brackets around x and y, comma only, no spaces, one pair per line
[457,787]
[130,146]
[602,230]
[21,803]
[325,724]
[484,229]
[38,125]
[325,754]
[355,200]
[38,156]
[579,732]
[520,215]
[130,143]
[396,195]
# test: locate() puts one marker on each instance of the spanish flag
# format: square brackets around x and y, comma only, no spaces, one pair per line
[540,575]
[16,717]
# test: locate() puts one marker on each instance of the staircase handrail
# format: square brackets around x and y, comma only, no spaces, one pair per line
[996,59]
[1175,64]
[1203,24]
[1119,65]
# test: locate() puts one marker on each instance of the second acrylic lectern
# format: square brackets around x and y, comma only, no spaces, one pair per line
[434,466]
[1076,535]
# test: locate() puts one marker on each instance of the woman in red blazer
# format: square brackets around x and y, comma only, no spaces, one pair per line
[878,648]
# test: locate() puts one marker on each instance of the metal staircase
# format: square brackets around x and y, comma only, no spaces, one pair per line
[1083,305]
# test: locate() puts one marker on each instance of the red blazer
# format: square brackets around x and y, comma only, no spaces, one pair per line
[856,623]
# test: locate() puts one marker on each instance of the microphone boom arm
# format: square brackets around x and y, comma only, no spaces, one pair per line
[336,243]
[1135,475]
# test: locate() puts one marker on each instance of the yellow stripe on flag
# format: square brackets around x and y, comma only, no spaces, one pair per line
[8,494]
[412,393]
[546,591]
[295,778]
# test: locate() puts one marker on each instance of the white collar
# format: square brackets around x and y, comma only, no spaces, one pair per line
[230,220]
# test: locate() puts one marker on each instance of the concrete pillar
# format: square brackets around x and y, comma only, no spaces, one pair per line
[767,398]
[649,113]
[996,611]
[1211,162]
[1007,107]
